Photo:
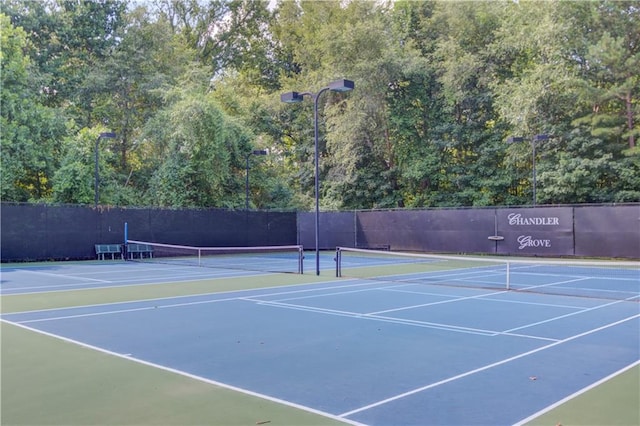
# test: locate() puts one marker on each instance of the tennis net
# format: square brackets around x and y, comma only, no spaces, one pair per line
[288,259]
[617,280]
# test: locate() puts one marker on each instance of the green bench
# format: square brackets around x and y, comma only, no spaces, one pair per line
[140,249]
[112,249]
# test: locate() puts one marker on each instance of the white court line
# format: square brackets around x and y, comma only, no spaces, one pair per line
[454,275]
[198,273]
[357,315]
[189,375]
[255,299]
[454,298]
[403,321]
[527,288]
[484,297]
[45,288]
[146,308]
[520,270]
[486,367]
[554,305]
[48,274]
[117,311]
[92,314]
[440,302]
[186,296]
[549,305]
[166,279]
[469,330]
[576,394]
[376,315]
[372,315]
[593,308]
[594,290]
[337,293]
[120,311]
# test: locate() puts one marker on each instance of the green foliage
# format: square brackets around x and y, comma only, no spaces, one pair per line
[191,87]
[30,130]
[74,181]
[200,153]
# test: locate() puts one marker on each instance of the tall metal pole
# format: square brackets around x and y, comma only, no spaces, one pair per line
[291,97]
[96,190]
[534,178]
[533,166]
[96,178]
[246,186]
[317,179]
[536,138]
[316,155]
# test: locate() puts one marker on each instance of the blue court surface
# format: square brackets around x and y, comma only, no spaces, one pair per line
[363,351]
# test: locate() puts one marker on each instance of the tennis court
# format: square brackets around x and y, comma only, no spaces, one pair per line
[387,343]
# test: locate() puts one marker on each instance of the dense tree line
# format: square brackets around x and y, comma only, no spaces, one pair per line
[192,87]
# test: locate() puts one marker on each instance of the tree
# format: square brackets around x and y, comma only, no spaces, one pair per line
[328,40]
[198,149]
[70,38]
[464,133]
[128,85]
[30,130]
[556,78]
[610,64]
[192,86]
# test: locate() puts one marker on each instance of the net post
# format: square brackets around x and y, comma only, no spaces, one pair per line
[338,262]
[508,283]
[199,257]
[126,240]
[300,260]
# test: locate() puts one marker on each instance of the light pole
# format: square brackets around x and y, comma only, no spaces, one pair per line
[292,97]
[96,192]
[536,138]
[246,185]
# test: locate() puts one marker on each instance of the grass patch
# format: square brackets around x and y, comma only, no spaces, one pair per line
[50,381]
[95,296]
[613,403]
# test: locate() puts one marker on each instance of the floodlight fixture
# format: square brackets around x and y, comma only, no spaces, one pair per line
[515,139]
[342,85]
[291,97]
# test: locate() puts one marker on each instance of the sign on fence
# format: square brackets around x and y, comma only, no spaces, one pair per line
[536,231]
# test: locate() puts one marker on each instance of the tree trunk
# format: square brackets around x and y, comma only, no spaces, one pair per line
[632,141]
